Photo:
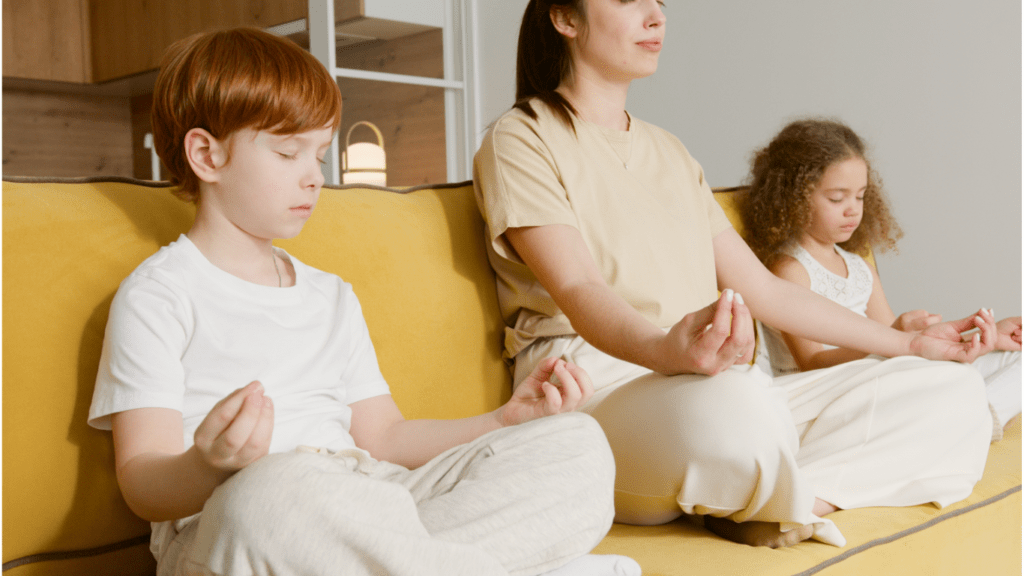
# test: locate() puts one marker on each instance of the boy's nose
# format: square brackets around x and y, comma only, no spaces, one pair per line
[314,177]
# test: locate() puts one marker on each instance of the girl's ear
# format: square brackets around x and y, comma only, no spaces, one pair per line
[206,154]
[565,21]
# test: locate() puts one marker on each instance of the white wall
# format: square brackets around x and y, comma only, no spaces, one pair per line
[934,86]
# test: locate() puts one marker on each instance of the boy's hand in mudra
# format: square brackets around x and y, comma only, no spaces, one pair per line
[237,430]
[554,387]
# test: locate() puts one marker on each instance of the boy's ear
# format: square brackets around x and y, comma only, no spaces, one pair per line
[564,21]
[206,154]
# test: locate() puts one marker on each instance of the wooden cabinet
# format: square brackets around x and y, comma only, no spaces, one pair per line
[46,40]
[101,40]
[129,36]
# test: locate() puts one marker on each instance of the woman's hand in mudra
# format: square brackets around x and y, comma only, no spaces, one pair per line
[711,339]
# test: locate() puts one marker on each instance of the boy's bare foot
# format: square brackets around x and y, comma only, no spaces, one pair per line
[757,533]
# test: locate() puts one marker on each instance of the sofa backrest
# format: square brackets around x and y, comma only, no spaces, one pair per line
[415,258]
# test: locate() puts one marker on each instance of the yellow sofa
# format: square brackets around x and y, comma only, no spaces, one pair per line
[417,262]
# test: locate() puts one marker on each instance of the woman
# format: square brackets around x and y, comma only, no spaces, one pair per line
[609,250]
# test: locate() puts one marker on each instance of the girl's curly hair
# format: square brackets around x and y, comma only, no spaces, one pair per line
[776,209]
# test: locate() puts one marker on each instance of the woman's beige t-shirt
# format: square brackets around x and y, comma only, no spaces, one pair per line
[638,199]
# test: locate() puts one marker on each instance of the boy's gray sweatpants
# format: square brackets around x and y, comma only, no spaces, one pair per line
[520,500]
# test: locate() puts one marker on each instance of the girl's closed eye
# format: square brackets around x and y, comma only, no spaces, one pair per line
[288,156]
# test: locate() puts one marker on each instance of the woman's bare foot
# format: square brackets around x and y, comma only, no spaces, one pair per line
[757,533]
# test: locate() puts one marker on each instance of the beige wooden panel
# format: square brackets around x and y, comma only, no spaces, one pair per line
[130,36]
[49,134]
[46,40]
[348,9]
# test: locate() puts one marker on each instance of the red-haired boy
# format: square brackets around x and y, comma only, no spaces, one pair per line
[224,356]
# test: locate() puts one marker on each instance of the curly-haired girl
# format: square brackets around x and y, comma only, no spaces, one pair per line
[814,205]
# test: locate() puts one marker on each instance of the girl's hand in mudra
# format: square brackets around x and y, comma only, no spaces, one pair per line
[711,339]
[916,320]
[1009,333]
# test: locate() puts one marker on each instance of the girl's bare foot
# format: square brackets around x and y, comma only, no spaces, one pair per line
[757,533]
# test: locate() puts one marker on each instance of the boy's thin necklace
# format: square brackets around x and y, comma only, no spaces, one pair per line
[273,258]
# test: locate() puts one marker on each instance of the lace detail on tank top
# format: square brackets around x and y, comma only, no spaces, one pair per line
[852,292]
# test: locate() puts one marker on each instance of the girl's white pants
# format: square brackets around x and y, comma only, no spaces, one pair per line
[1002,373]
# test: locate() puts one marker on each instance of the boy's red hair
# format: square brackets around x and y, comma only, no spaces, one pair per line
[231,80]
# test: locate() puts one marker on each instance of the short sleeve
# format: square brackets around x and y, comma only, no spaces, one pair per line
[717,219]
[140,365]
[517,180]
[361,377]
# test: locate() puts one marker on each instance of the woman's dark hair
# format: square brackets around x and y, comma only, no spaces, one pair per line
[543,59]
[783,175]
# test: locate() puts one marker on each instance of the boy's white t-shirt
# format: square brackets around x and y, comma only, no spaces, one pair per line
[183,334]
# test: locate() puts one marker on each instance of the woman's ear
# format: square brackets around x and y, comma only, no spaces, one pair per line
[565,21]
[206,154]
